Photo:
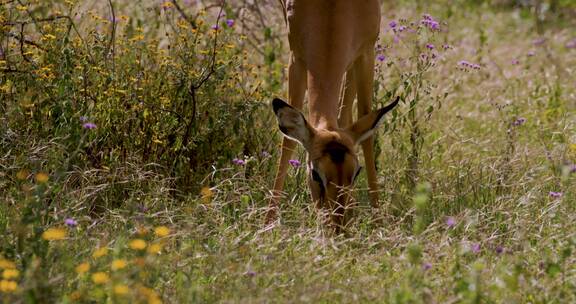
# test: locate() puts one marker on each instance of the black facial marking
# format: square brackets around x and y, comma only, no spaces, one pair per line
[278,104]
[316,177]
[357,173]
[283,129]
[337,152]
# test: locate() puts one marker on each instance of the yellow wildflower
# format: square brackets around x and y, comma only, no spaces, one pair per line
[142,230]
[100,252]
[121,289]
[48,37]
[6,264]
[149,293]
[41,177]
[136,38]
[83,268]
[8,286]
[10,274]
[161,231]
[207,195]
[154,300]
[54,234]
[155,248]
[167,5]
[22,174]
[118,264]
[75,296]
[100,278]
[137,244]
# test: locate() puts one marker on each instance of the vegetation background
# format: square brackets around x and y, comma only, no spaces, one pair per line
[137,148]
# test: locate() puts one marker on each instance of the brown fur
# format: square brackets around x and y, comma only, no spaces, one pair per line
[328,40]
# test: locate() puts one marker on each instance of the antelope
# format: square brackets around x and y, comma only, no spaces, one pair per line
[332,57]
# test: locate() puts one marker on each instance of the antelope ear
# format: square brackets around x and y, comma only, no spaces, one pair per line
[292,123]
[366,125]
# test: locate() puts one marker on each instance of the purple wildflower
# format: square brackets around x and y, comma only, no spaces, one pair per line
[70,222]
[426,266]
[142,208]
[230,22]
[215,27]
[381,58]
[555,194]
[294,163]
[446,46]
[519,121]
[450,222]
[531,53]
[83,118]
[89,125]
[430,23]
[430,46]
[465,64]
[250,273]
[499,249]
[515,61]
[475,248]
[571,44]
[392,24]
[539,41]
[239,162]
[401,28]
[573,168]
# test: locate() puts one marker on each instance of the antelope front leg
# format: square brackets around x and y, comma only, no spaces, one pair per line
[364,66]
[296,90]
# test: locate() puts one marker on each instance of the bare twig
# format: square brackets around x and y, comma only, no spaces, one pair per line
[10,70]
[42,20]
[26,41]
[190,21]
[47,19]
[7,2]
[22,43]
[283,5]
[35,21]
[111,44]
[195,86]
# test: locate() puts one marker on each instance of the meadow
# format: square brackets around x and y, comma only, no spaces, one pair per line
[138,147]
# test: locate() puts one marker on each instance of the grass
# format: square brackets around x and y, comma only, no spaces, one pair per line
[476,167]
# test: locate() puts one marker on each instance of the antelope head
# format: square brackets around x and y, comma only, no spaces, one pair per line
[332,159]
